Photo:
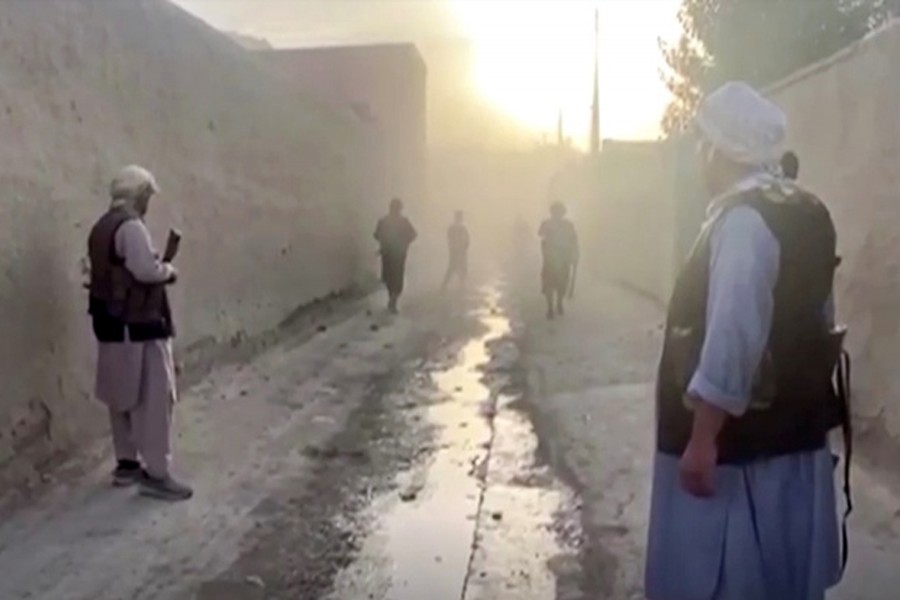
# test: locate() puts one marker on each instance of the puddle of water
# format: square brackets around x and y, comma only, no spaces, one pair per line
[425,545]
[430,539]
[519,554]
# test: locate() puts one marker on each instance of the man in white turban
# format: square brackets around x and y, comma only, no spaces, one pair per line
[132,323]
[743,504]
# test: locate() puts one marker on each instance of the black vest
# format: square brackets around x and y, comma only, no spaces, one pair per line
[793,404]
[118,302]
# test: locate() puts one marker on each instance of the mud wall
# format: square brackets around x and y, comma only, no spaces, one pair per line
[263,183]
[632,232]
[384,82]
[845,127]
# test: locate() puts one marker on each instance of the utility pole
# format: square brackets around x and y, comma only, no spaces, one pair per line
[560,133]
[595,107]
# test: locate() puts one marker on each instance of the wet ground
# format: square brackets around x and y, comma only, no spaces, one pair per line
[466,450]
[434,490]
[477,517]
[377,457]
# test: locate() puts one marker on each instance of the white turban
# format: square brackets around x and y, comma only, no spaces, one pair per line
[131,181]
[743,125]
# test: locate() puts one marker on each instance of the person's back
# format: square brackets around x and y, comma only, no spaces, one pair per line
[458,247]
[394,233]
[558,241]
[559,246]
[458,240]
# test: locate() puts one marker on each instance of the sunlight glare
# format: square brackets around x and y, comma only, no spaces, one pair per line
[535,58]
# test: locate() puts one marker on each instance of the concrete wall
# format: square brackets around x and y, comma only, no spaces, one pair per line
[264,184]
[387,81]
[845,127]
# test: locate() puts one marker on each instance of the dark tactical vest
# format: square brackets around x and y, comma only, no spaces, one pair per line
[118,302]
[794,403]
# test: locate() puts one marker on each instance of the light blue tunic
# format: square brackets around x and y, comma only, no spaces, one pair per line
[771,531]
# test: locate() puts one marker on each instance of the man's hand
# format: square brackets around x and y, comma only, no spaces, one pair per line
[697,467]
[173,277]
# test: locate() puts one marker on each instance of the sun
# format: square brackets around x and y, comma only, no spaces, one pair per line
[534,58]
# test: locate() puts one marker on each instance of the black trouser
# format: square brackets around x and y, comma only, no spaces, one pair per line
[555,279]
[458,267]
[393,271]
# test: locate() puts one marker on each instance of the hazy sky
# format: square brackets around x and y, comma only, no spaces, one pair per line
[532,57]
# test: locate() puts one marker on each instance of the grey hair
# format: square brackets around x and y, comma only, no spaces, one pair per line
[131,182]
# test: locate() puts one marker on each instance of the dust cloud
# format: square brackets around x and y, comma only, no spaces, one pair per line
[480,160]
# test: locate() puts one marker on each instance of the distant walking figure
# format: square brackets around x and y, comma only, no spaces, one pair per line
[559,246]
[458,246]
[394,234]
[790,165]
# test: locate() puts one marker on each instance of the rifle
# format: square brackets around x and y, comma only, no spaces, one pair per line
[172,245]
[838,359]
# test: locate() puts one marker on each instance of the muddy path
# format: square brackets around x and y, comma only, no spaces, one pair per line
[380,457]
[476,515]
[434,489]
[254,437]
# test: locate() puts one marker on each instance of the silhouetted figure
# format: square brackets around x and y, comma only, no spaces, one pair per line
[790,165]
[559,246]
[394,234]
[458,247]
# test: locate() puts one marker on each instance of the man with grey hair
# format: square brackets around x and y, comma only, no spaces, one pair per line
[743,504]
[132,323]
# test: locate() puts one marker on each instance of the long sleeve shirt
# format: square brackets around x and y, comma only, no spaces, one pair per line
[770,530]
[135,246]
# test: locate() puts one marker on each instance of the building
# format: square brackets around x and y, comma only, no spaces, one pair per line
[383,84]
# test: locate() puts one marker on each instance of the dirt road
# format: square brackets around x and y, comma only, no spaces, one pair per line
[380,458]
[466,450]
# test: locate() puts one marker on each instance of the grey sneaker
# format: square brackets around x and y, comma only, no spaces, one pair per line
[165,489]
[127,474]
